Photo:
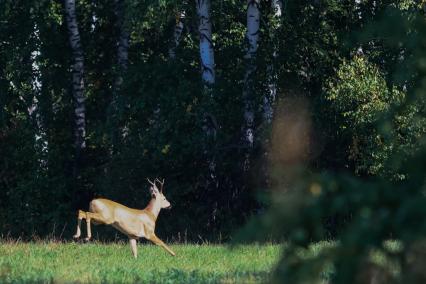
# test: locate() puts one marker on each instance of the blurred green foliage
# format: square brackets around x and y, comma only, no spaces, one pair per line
[372,205]
[366,111]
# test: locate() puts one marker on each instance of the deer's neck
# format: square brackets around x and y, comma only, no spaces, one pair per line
[153,208]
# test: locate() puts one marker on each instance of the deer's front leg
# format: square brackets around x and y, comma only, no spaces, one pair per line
[160,243]
[81,216]
[133,246]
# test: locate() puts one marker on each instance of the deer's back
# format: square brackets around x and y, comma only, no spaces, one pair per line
[108,208]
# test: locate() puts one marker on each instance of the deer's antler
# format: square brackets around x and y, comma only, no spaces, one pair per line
[152,183]
[161,183]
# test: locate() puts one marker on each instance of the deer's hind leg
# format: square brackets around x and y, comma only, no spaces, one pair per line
[81,216]
[97,219]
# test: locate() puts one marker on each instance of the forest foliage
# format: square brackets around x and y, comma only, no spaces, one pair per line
[343,157]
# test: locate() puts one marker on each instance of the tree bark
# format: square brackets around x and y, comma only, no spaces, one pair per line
[206,43]
[269,98]
[206,61]
[252,38]
[77,77]
[207,66]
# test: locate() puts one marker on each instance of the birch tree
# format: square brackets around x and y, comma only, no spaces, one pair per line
[77,78]
[269,98]
[206,43]
[208,79]
[31,102]
[40,137]
[358,9]
[178,30]
[207,65]
[252,38]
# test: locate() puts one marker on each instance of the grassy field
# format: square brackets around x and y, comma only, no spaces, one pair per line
[55,262]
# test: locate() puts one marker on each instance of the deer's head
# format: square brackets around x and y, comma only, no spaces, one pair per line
[157,193]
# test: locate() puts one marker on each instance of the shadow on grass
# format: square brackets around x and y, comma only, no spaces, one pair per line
[169,276]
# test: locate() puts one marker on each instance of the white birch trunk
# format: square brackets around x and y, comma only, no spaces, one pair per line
[359,50]
[269,98]
[207,66]
[40,137]
[178,30]
[206,43]
[77,76]
[32,104]
[208,79]
[252,38]
[93,24]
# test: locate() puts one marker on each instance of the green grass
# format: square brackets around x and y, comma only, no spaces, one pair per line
[56,262]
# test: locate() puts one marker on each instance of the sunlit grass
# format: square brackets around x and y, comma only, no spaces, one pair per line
[55,262]
[58,262]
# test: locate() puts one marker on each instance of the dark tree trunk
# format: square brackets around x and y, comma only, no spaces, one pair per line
[178,31]
[121,68]
[80,196]
[77,76]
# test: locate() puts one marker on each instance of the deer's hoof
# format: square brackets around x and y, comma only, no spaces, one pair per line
[87,239]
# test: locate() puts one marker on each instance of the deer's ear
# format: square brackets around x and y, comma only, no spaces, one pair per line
[154,191]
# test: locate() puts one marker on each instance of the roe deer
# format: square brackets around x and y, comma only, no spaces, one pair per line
[134,223]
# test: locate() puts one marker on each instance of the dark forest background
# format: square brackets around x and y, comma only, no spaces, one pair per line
[349,99]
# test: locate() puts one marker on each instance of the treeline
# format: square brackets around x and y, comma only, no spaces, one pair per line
[210,95]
